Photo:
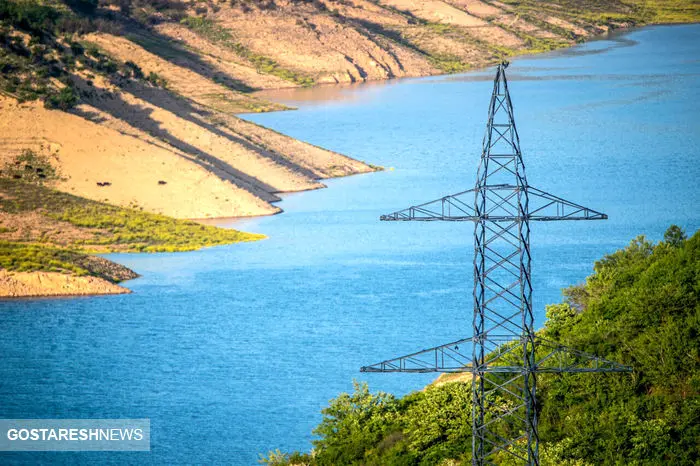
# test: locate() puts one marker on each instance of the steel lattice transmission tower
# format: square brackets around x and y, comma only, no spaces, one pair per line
[506,353]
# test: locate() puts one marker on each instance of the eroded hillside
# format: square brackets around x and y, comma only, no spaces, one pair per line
[133,119]
[139,95]
[339,41]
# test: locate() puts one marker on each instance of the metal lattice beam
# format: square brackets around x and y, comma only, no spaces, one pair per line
[456,208]
[455,357]
[506,354]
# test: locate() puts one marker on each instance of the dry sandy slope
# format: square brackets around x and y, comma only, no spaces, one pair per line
[280,162]
[181,152]
[27,284]
[320,46]
[221,58]
[190,74]
[359,40]
[88,153]
[169,151]
[343,47]
[436,11]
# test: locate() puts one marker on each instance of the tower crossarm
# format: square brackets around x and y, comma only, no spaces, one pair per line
[544,206]
[560,359]
[456,208]
[451,357]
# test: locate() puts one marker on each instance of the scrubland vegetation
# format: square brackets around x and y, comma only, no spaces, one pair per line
[100,227]
[218,35]
[114,228]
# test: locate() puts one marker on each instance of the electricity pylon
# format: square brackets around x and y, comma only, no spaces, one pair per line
[507,354]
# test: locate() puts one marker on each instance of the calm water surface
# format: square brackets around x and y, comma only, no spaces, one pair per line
[233,351]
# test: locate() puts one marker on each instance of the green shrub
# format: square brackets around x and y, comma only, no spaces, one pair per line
[83,6]
[134,70]
[31,167]
[156,80]
[65,99]
[31,257]
[29,15]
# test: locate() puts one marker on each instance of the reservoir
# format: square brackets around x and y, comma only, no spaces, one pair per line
[233,351]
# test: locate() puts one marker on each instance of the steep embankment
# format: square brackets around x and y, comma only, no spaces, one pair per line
[640,307]
[342,41]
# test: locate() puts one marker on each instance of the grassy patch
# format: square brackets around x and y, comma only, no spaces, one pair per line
[540,44]
[116,228]
[20,257]
[669,11]
[133,230]
[449,63]
[218,35]
[23,257]
[439,28]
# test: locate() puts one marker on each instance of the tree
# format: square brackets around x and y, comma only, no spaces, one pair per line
[674,236]
[351,424]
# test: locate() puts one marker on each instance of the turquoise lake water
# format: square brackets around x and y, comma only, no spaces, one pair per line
[233,351]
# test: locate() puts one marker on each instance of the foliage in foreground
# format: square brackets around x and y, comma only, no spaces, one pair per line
[115,228]
[640,307]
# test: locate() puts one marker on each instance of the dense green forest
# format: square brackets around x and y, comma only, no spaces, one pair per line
[640,307]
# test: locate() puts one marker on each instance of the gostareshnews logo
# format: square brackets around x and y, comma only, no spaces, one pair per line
[75,435]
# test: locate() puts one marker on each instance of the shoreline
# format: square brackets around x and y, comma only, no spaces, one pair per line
[49,285]
[51,242]
[105,287]
[273,94]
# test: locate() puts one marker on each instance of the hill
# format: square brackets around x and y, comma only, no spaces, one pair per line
[641,307]
[138,95]
[134,119]
[131,102]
